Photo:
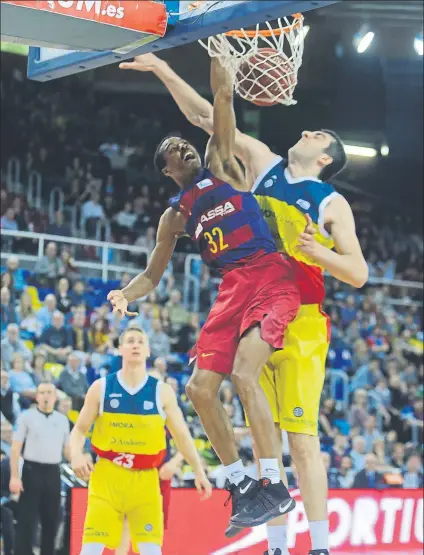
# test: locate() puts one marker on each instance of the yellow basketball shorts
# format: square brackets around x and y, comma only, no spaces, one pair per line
[115,493]
[294,377]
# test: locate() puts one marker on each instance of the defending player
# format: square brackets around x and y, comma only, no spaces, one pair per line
[307,218]
[257,298]
[129,410]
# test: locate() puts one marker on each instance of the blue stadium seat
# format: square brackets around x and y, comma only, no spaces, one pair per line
[43,292]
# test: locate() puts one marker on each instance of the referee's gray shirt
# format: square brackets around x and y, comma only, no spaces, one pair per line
[44,435]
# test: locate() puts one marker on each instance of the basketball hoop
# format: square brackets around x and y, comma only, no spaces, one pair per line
[241,52]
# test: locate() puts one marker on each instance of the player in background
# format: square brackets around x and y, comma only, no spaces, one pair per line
[257,298]
[307,218]
[129,410]
[171,465]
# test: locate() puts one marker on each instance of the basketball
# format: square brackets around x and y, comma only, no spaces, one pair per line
[264,77]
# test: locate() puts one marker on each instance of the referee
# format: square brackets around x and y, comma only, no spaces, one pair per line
[45,434]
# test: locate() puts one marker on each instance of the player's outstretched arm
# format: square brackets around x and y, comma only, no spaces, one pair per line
[254,154]
[348,263]
[171,225]
[183,440]
[81,462]
[196,109]
[220,152]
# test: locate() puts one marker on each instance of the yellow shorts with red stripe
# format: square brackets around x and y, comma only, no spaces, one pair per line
[294,377]
[114,493]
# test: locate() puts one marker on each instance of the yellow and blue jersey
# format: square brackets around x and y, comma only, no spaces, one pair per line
[284,202]
[130,427]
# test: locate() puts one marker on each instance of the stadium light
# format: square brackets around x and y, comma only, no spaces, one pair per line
[356,150]
[384,150]
[418,44]
[364,42]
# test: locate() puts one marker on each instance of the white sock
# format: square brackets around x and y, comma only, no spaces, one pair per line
[277,538]
[270,469]
[92,549]
[319,531]
[235,472]
[149,549]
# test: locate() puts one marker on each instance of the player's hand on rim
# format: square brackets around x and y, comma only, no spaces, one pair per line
[119,304]
[203,486]
[144,62]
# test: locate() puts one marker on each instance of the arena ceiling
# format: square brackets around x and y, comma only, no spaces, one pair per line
[331,34]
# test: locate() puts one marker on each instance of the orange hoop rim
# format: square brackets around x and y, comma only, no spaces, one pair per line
[238,33]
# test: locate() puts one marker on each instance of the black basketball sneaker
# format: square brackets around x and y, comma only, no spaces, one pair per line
[270,500]
[275,552]
[239,495]
[319,552]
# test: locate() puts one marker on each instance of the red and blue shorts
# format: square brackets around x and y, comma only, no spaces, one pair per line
[262,292]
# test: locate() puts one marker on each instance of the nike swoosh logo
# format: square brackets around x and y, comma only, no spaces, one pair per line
[204,355]
[243,490]
[283,508]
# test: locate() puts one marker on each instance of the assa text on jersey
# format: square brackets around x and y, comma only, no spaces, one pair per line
[218,212]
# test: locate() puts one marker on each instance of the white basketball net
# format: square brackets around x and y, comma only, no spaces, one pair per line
[233,51]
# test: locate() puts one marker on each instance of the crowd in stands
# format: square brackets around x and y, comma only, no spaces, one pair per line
[60,329]
[100,156]
[57,326]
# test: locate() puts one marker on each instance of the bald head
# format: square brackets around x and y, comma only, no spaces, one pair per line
[359,444]
[371,462]
[50,302]
[58,319]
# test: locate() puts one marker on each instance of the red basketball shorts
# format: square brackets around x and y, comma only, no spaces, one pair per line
[263,292]
[165,489]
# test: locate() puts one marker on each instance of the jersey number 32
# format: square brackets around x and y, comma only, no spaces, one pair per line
[215,240]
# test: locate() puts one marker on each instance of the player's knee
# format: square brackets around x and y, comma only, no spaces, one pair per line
[198,392]
[304,448]
[149,549]
[243,383]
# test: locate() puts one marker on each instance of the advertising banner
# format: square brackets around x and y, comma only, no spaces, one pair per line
[361,521]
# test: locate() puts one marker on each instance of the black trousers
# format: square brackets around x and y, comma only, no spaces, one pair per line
[39,502]
[7,529]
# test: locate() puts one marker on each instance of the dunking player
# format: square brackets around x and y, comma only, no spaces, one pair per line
[307,218]
[257,298]
[129,410]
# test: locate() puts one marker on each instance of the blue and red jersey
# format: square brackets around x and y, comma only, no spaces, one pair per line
[226,225]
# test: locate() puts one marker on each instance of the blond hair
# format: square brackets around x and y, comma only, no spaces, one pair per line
[128,330]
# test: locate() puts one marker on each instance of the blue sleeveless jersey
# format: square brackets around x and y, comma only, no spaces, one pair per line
[226,225]
[119,399]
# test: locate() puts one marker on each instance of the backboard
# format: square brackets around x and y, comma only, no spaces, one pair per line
[182,27]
